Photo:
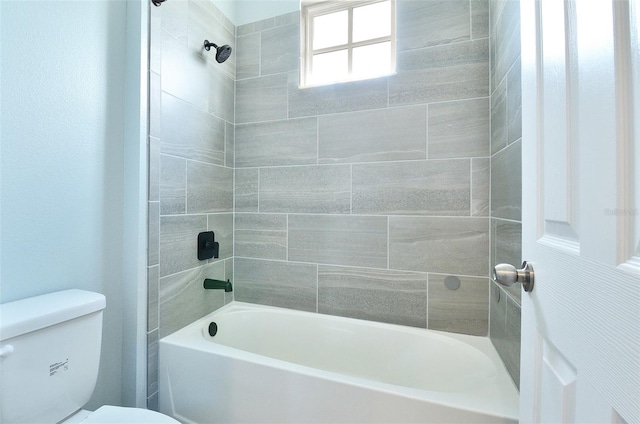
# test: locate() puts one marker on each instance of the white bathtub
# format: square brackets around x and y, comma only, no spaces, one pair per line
[276,365]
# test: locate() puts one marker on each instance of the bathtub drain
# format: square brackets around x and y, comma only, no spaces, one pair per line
[213,329]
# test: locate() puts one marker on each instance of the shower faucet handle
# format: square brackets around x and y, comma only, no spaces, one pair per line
[508,275]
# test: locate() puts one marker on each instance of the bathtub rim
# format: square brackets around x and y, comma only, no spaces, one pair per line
[474,400]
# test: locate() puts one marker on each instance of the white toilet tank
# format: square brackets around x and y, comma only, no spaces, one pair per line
[49,355]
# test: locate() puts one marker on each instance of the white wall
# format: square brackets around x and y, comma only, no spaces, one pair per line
[62,126]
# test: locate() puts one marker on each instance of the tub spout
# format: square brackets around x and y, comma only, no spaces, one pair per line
[217,284]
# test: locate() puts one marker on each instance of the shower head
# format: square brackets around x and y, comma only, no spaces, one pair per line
[222,52]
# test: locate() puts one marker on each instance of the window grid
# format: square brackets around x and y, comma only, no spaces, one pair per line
[312,10]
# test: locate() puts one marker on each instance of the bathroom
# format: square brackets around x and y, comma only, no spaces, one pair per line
[424,184]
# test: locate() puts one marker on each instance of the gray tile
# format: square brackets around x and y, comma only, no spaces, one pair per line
[185,75]
[246,190]
[395,297]
[512,346]
[336,98]
[153,287]
[506,183]
[479,18]
[262,236]
[155,105]
[439,187]
[221,101]
[229,145]
[508,245]
[373,135]
[248,56]
[281,284]
[457,246]
[209,188]
[220,18]
[154,169]
[153,234]
[480,179]
[152,402]
[288,18]
[459,129]
[497,317]
[173,185]
[306,189]
[441,73]
[261,99]
[184,300]
[191,133]
[174,19]
[338,240]
[288,142]
[280,49]
[507,40]
[255,27]
[152,362]
[465,310]
[498,119]
[178,240]
[514,103]
[189,76]
[222,226]
[204,25]
[426,23]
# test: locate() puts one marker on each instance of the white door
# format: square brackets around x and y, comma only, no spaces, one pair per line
[580,359]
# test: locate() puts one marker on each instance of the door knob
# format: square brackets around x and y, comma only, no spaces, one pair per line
[508,275]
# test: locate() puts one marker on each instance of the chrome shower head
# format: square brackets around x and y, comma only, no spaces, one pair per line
[222,52]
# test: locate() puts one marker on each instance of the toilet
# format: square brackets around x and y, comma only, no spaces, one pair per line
[49,359]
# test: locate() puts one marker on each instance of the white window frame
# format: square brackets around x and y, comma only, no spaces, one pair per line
[313,8]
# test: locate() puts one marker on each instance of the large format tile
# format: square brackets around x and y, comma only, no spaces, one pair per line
[205,24]
[514,103]
[178,242]
[459,129]
[338,240]
[222,226]
[191,133]
[512,338]
[153,233]
[498,118]
[412,188]
[506,183]
[336,98]
[153,287]
[209,188]
[507,39]
[275,283]
[173,185]
[229,145]
[280,49]
[262,236]
[507,239]
[480,180]
[464,310]
[479,18]
[248,56]
[305,189]
[175,19]
[288,142]
[261,99]
[184,300]
[374,135]
[457,246]
[245,193]
[442,73]
[154,169]
[395,297]
[426,23]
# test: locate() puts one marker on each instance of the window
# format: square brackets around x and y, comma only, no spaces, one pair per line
[347,40]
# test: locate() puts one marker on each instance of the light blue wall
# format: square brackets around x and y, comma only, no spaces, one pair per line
[242,12]
[62,128]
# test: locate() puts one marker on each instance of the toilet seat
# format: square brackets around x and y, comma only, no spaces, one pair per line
[117,414]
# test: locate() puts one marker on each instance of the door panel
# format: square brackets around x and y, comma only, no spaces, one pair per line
[580,359]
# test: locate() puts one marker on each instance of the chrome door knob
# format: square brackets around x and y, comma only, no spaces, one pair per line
[508,275]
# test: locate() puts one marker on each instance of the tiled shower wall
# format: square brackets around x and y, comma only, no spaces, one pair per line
[367,199]
[506,141]
[191,167]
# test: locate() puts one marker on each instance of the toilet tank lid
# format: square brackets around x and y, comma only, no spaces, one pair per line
[31,314]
